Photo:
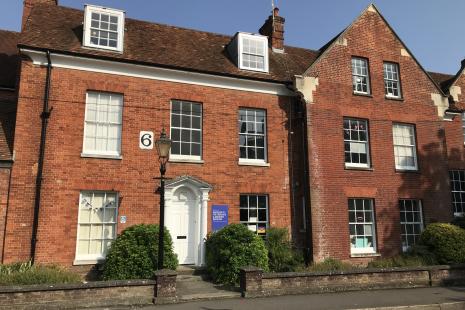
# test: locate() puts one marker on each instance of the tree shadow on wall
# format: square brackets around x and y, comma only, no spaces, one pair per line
[430,185]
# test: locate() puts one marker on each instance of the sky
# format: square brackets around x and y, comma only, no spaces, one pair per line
[434,30]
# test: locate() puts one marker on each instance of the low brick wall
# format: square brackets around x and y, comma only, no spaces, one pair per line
[93,294]
[68,296]
[255,283]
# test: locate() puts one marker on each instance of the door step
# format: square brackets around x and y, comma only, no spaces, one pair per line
[191,270]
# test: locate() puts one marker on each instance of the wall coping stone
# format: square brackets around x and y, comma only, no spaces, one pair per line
[75,286]
[272,275]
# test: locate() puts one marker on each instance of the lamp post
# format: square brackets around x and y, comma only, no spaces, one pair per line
[163,145]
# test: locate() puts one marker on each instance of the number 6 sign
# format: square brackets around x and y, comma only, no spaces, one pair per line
[146,140]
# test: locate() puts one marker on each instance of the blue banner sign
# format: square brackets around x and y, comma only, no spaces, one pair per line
[219,217]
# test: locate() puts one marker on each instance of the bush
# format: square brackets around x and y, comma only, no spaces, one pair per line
[281,255]
[329,265]
[230,249]
[134,254]
[445,241]
[400,261]
[28,274]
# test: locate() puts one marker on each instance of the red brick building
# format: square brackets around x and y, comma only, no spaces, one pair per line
[348,146]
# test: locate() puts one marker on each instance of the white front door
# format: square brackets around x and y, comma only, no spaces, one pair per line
[181,222]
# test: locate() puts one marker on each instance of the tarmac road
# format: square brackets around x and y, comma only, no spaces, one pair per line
[346,300]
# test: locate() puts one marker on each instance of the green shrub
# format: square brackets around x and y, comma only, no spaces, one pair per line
[28,274]
[230,249]
[445,241]
[329,265]
[282,257]
[134,254]
[400,261]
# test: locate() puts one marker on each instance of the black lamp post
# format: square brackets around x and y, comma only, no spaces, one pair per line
[163,145]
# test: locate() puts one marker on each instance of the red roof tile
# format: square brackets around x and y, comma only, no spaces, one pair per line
[8,58]
[60,29]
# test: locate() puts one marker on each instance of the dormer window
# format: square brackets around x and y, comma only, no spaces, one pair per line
[103,28]
[252,52]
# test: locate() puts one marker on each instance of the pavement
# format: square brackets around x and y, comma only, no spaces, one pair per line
[437,298]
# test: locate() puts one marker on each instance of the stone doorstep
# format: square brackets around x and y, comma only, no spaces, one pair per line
[209,296]
[444,306]
[190,270]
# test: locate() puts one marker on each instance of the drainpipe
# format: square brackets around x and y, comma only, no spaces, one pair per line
[45,115]
[302,117]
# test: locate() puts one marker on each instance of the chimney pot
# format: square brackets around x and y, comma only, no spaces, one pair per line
[273,28]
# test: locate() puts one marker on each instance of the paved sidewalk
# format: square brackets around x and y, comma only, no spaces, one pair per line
[434,298]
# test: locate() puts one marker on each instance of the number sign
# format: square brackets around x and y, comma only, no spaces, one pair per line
[146,140]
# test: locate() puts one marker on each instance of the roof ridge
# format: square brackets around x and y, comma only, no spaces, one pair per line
[189,29]
[11,31]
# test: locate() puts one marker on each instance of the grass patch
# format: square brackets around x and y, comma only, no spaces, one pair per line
[329,265]
[28,274]
[400,261]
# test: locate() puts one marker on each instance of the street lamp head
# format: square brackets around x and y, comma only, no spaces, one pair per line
[163,145]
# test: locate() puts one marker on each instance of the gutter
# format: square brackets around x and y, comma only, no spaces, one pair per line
[45,115]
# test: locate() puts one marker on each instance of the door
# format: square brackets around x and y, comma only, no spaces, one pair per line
[180,219]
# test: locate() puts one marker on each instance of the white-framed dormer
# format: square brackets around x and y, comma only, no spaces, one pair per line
[250,52]
[103,28]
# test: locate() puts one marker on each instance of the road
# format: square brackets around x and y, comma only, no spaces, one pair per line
[329,301]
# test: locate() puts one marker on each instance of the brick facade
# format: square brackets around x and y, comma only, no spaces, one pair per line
[323,226]
[146,107]
[331,184]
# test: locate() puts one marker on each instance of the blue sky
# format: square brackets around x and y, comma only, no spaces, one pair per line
[433,30]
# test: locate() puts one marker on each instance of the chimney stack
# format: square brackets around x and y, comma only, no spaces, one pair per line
[463,63]
[29,4]
[273,28]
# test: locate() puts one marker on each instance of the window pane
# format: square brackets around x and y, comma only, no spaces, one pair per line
[252,125]
[356,145]
[186,120]
[360,76]
[254,212]
[404,146]
[97,221]
[361,226]
[411,222]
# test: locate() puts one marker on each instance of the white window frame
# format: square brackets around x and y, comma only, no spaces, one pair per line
[94,258]
[412,146]
[89,9]
[260,38]
[367,144]
[181,157]
[392,80]
[253,161]
[355,75]
[97,153]
[457,191]
[363,250]
[406,222]
[250,223]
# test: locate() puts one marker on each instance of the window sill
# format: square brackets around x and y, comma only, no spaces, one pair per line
[407,170]
[253,163]
[359,255]
[394,98]
[80,262]
[358,168]
[102,156]
[362,95]
[186,161]
[101,49]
